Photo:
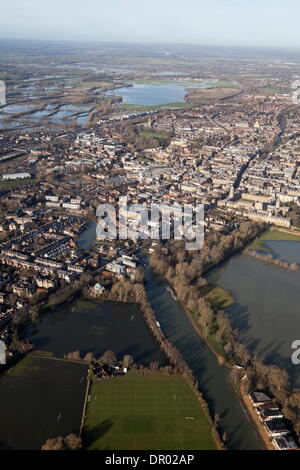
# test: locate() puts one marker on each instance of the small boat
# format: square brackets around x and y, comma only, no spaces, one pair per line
[173,295]
[158,324]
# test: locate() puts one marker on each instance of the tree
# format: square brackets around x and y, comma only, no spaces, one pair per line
[228,349]
[73,442]
[34,314]
[56,443]
[89,357]
[277,379]
[69,442]
[16,336]
[206,315]
[271,377]
[74,356]
[224,327]
[108,357]
[216,419]
[294,267]
[139,275]
[127,360]
[242,353]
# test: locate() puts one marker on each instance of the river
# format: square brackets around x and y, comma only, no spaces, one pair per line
[213,379]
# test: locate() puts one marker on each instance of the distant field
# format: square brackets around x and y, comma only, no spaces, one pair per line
[146,412]
[224,84]
[94,84]
[186,83]
[7,184]
[279,90]
[158,81]
[157,135]
[139,107]
[270,235]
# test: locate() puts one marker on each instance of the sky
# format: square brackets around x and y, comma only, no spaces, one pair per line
[270,23]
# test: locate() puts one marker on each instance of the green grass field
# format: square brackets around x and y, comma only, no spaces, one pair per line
[150,412]
[140,107]
[272,235]
[8,184]
[185,83]
[155,135]
[279,90]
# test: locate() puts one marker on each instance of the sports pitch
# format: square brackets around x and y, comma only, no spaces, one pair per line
[149,412]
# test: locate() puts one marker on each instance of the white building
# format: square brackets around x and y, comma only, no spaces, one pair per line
[16,176]
[115,268]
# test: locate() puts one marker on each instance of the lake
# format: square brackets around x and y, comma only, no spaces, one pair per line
[266,308]
[152,94]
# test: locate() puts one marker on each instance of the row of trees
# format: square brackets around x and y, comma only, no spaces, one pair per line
[108,357]
[217,246]
[183,271]
[69,442]
[269,259]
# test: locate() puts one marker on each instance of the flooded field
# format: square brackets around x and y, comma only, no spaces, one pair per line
[266,307]
[41,398]
[93,326]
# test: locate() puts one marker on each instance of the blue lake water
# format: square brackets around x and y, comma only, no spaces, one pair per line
[151,94]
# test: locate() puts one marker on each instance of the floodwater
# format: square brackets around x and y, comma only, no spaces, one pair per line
[79,113]
[87,237]
[266,308]
[151,94]
[94,326]
[40,399]
[68,111]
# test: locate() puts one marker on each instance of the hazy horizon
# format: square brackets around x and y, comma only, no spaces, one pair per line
[259,23]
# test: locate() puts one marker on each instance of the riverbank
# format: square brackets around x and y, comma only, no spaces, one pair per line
[254,417]
[221,359]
